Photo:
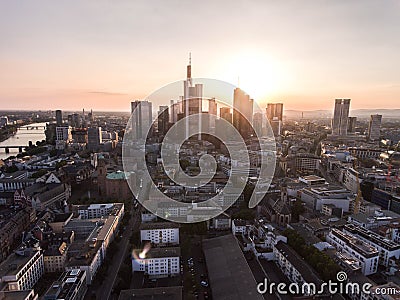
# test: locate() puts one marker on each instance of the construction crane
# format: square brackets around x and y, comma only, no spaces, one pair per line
[359,194]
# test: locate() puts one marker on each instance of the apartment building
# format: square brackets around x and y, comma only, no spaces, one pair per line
[160,233]
[157,262]
[22,269]
[355,247]
[386,248]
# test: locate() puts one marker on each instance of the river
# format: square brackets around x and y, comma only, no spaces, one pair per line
[22,138]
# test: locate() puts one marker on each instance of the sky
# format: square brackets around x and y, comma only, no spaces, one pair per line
[103,54]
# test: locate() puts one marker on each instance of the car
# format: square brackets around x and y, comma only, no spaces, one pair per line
[204,283]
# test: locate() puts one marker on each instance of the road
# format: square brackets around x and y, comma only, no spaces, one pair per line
[104,291]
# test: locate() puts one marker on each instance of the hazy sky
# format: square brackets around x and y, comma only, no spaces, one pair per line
[103,54]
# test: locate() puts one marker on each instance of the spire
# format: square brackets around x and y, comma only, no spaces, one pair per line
[189,70]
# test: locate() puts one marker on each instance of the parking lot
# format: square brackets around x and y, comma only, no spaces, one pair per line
[196,284]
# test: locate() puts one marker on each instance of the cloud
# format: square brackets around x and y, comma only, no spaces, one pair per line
[107,93]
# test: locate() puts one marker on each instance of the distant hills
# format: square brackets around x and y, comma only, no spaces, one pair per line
[359,113]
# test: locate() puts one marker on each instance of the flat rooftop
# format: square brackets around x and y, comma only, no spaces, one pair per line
[160,293]
[161,252]
[230,275]
[14,263]
[158,225]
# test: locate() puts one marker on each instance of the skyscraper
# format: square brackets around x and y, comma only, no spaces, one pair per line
[163,119]
[225,113]
[258,123]
[212,110]
[94,138]
[351,124]
[242,112]
[374,127]
[59,117]
[141,118]
[192,103]
[275,117]
[340,117]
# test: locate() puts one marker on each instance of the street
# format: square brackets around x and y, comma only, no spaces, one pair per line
[104,291]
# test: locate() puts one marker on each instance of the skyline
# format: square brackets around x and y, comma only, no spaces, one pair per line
[104,56]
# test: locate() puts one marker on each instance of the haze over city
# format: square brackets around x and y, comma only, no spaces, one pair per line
[63,55]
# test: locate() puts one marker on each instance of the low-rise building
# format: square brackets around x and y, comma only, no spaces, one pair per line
[93,211]
[160,233]
[54,258]
[70,286]
[366,254]
[294,267]
[157,262]
[22,269]
[386,248]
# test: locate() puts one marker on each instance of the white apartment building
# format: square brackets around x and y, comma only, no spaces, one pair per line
[21,270]
[240,226]
[157,262]
[160,233]
[386,248]
[363,252]
[294,267]
[94,211]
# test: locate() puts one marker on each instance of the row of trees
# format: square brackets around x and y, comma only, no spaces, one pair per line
[320,261]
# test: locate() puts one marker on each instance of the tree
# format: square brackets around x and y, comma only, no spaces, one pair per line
[297,209]
[244,214]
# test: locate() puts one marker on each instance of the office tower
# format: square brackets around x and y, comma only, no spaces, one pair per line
[258,123]
[340,117]
[351,124]
[275,110]
[58,117]
[141,117]
[242,112]
[225,113]
[192,103]
[212,110]
[374,127]
[94,138]
[275,117]
[163,119]
[175,109]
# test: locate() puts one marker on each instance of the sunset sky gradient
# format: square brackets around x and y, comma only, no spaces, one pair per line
[103,54]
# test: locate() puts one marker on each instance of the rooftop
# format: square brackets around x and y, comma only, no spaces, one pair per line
[230,275]
[158,225]
[14,263]
[160,293]
[161,252]
[304,269]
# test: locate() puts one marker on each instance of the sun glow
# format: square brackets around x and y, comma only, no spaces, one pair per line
[257,74]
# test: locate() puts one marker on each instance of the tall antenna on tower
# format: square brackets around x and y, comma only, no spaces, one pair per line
[190,58]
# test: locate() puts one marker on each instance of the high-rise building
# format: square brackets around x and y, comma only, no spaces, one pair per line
[258,123]
[242,112]
[275,110]
[141,118]
[59,117]
[212,110]
[192,103]
[94,138]
[175,109]
[163,119]
[225,113]
[374,127]
[275,117]
[340,117]
[351,124]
